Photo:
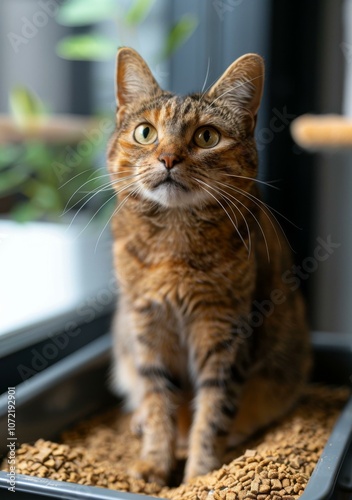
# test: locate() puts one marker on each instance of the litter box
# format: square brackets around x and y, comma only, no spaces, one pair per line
[76,386]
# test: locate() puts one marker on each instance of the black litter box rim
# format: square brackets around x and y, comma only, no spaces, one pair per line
[320,486]
[323,479]
[70,491]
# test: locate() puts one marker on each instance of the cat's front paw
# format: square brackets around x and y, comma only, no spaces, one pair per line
[200,467]
[149,471]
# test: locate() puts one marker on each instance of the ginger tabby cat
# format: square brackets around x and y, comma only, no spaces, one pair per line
[204,311]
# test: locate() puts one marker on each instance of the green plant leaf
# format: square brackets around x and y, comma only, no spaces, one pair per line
[25,105]
[9,154]
[86,48]
[138,11]
[26,211]
[12,179]
[44,196]
[83,12]
[37,156]
[182,30]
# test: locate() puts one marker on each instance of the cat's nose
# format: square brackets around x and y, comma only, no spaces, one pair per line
[169,160]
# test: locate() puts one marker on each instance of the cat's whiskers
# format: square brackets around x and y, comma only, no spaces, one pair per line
[81,186]
[121,179]
[87,201]
[117,209]
[96,212]
[206,90]
[105,187]
[227,197]
[93,192]
[101,190]
[109,186]
[222,206]
[96,177]
[77,175]
[206,76]
[264,206]
[272,209]
[122,171]
[252,179]
[252,214]
[230,207]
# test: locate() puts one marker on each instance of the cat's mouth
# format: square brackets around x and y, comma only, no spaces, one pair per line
[170,189]
[171,182]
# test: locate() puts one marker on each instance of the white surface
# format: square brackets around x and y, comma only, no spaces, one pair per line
[47,269]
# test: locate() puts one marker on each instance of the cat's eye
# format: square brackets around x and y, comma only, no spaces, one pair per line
[145,134]
[206,137]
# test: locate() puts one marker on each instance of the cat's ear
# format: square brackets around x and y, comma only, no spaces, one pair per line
[242,84]
[134,80]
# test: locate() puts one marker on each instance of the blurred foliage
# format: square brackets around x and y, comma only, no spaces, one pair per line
[36,173]
[180,32]
[24,106]
[48,179]
[99,48]
[86,48]
[83,12]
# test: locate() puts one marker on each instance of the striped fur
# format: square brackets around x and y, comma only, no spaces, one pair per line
[192,255]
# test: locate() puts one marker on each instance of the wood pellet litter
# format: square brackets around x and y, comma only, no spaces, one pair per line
[276,465]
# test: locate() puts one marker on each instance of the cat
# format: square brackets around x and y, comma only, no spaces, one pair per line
[204,314]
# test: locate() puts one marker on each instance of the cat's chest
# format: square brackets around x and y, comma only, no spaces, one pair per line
[175,240]
[175,260]
[174,269]
[174,254]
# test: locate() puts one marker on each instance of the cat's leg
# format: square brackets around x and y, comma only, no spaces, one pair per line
[221,363]
[263,401]
[158,384]
[279,380]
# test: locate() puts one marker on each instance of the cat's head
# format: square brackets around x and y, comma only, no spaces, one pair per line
[182,151]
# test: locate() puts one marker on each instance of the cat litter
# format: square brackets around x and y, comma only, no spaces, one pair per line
[275,465]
